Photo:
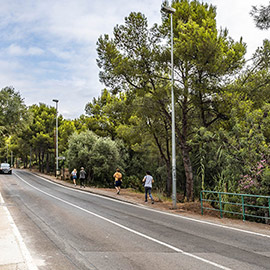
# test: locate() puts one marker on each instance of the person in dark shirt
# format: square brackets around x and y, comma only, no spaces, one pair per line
[82,177]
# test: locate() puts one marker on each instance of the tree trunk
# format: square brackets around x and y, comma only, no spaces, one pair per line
[39,161]
[42,161]
[47,163]
[188,172]
[169,178]
[165,156]
[36,157]
[185,149]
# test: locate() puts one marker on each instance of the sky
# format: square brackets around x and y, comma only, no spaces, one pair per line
[48,48]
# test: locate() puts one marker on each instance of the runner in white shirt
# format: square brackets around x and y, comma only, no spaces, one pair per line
[148,180]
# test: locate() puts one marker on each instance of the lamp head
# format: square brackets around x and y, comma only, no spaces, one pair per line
[55,100]
[167,9]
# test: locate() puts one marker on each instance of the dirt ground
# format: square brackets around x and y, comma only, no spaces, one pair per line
[189,209]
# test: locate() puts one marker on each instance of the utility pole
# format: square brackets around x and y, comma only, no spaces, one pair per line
[56,137]
[170,11]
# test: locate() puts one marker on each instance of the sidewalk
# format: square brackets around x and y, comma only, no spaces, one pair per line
[13,252]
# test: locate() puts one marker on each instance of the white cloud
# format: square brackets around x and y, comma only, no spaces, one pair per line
[48,48]
[15,50]
[66,55]
[34,51]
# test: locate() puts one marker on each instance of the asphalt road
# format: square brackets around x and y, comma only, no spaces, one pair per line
[70,229]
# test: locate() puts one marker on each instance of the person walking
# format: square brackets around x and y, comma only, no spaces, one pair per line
[148,180]
[117,180]
[74,176]
[82,177]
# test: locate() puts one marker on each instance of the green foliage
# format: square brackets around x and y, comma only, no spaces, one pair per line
[13,118]
[265,181]
[80,150]
[99,156]
[135,61]
[106,113]
[232,205]
[65,130]
[105,158]
[261,16]
[133,182]
[35,141]
[227,155]
[12,110]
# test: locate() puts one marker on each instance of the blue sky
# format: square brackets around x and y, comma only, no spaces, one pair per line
[48,48]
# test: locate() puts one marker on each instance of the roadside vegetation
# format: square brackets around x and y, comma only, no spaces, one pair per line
[222,105]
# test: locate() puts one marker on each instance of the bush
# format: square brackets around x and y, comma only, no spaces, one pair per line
[133,182]
[99,156]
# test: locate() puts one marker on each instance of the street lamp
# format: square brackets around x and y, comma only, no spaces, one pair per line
[56,135]
[170,11]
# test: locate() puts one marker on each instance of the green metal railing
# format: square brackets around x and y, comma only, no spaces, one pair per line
[243,204]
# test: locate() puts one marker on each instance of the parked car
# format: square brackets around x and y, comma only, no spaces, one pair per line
[5,168]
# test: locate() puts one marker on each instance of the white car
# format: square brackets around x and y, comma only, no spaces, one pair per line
[5,168]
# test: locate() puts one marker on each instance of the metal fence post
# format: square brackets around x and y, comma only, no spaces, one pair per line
[201,197]
[220,205]
[243,207]
[269,205]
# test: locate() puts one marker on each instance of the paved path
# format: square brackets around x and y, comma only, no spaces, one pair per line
[13,251]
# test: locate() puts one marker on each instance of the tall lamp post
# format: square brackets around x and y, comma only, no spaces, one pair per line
[170,11]
[56,136]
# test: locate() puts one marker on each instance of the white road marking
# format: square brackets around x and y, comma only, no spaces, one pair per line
[158,211]
[128,229]
[25,252]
